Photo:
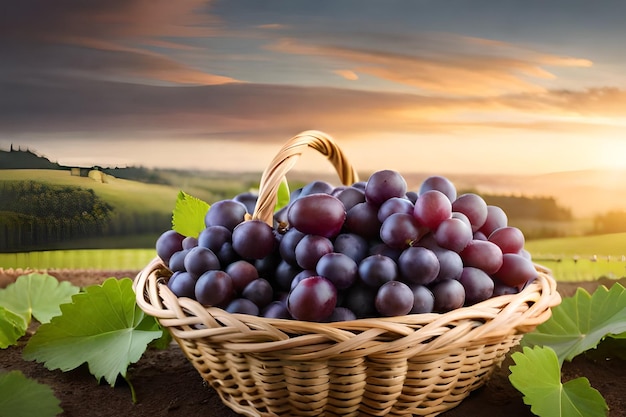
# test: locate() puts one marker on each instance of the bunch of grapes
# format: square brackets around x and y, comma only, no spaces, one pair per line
[341,253]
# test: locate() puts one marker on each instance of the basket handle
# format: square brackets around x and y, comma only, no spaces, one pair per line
[287,157]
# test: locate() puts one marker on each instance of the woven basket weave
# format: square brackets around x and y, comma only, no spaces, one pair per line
[420,364]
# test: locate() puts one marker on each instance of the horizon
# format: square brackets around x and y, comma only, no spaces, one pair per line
[518,88]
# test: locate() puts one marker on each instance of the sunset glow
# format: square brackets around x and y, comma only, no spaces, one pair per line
[521,87]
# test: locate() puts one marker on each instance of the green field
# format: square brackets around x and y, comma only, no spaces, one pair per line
[99,259]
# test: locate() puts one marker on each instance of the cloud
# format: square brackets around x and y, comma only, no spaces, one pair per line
[347,74]
[443,63]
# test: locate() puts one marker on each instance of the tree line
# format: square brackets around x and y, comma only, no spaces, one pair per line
[35,215]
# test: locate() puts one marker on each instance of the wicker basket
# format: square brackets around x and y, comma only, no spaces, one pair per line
[420,364]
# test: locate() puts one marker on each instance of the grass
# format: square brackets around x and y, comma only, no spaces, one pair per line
[101,259]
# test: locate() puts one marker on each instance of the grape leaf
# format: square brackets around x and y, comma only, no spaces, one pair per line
[282,195]
[24,397]
[580,322]
[537,375]
[36,295]
[102,327]
[12,327]
[188,215]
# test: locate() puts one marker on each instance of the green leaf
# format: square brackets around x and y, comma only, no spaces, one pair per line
[37,295]
[537,375]
[12,327]
[580,322]
[24,397]
[282,196]
[188,215]
[102,327]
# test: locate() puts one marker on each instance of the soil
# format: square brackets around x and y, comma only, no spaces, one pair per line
[167,385]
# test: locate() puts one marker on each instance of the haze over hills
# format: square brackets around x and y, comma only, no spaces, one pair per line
[586,193]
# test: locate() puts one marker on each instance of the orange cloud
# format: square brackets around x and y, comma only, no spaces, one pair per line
[347,74]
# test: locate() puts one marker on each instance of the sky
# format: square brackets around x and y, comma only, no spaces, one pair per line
[517,87]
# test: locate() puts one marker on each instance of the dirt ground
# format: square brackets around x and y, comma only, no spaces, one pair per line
[167,385]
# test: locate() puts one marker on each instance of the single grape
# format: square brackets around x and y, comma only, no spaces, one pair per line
[214,288]
[394,205]
[266,266]
[383,185]
[310,249]
[438,183]
[318,214]
[478,285]
[182,284]
[242,273]
[453,234]
[360,300]
[418,265]
[190,242]
[449,295]
[214,237]
[280,218]
[338,268]
[254,239]
[316,187]
[500,288]
[352,245]
[450,264]
[478,235]
[360,185]
[362,219]
[482,254]
[431,208]
[423,299]
[394,298]
[313,299]
[199,260]
[381,248]
[227,213]
[169,243]
[400,230]
[177,260]
[496,218]
[412,196]
[341,314]
[515,270]
[227,255]
[474,207]
[461,216]
[284,274]
[509,239]
[276,310]
[248,199]
[242,306]
[305,273]
[287,246]
[376,270]
[259,291]
[350,197]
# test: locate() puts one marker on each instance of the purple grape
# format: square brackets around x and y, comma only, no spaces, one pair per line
[248,199]
[242,273]
[394,298]
[478,235]
[453,234]
[259,291]
[360,300]
[276,310]
[360,185]
[383,185]
[214,237]
[310,249]
[500,288]
[169,243]
[482,254]
[227,255]
[254,239]
[449,295]
[182,284]
[412,196]
[400,230]
[394,205]
[423,299]
[509,239]
[227,213]
[341,314]
[362,219]
[350,197]
[478,285]
[382,248]
[214,288]
[313,299]
[287,246]
[338,268]
[463,217]
[515,270]
[284,274]
[242,306]
[190,242]
[439,183]
[496,218]
[199,260]
[316,187]
[431,208]
[352,245]
[450,264]
[267,265]
[474,207]
[177,260]
[318,214]
[418,265]
[305,273]
[376,270]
